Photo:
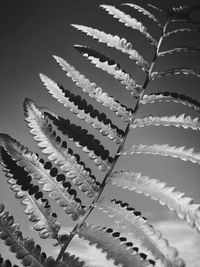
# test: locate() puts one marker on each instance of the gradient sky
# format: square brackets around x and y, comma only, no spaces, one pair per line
[33,31]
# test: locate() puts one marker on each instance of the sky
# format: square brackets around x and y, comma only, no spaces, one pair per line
[33,31]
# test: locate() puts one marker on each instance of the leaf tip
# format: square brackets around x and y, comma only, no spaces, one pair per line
[104,6]
[27,102]
[42,76]
[54,56]
[75,25]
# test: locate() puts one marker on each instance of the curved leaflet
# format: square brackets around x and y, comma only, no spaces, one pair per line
[82,139]
[133,224]
[181,49]
[115,247]
[177,71]
[129,22]
[111,67]
[93,90]
[184,207]
[58,190]
[182,30]
[183,121]
[83,110]
[118,43]
[164,150]
[171,97]
[24,248]
[144,12]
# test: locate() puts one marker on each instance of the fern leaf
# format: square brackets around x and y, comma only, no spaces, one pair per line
[167,34]
[86,182]
[82,139]
[73,261]
[83,111]
[25,249]
[164,150]
[6,263]
[112,68]
[171,97]
[57,150]
[93,90]
[48,139]
[178,121]
[39,212]
[115,247]
[118,43]
[129,22]
[58,190]
[67,261]
[184,207]
[181,49]
[38,209]
[132,223]
[43,132]
[144,12]
[177,71]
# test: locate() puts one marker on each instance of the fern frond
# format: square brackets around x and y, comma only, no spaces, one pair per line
[83,110]
[181,49]
[183,121]
[81,139]
[184,207]
[93,90]
[144,12]
[177,71]
[111,67]
[25,249]
[129,22]
[167,34]
[132,223]
[171,97]
[118,43]
[58,190]
[164,150]
[116,248]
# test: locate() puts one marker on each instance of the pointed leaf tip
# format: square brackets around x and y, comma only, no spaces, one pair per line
[57,58]
[27,100]
[75,25]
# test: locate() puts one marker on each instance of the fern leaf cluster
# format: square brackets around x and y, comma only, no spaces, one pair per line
[63,175]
